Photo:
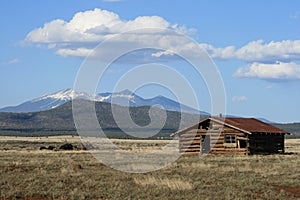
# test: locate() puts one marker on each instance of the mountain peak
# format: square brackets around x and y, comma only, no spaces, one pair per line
[123,98]
[126,92]
[65,94]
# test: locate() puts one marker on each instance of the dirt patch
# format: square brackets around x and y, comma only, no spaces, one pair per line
[293,190]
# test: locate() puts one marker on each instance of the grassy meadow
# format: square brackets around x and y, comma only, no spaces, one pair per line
[29,173]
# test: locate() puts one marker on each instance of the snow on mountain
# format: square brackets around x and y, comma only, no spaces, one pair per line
[64,95]
[123,98]
[47,102]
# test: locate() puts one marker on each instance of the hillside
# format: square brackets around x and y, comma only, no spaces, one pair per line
[293,128]
[60,120]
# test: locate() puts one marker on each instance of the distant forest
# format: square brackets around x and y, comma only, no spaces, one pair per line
[59,121]
[293,128]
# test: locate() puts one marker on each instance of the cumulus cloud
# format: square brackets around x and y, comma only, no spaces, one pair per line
[262,57]
[80,35]
[80,29]
[258,51]
[239,98]
[85,30]
[276,71]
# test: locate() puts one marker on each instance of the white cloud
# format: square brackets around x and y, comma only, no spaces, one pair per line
[80,29]
[78,37]
[79,52]
[276,71]
[13,61]
[85,30]
[258,51]
[239,98]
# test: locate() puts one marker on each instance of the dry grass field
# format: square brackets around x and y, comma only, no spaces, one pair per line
[29,173]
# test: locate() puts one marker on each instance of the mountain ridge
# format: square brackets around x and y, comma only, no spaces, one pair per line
[123,98]
[60,120]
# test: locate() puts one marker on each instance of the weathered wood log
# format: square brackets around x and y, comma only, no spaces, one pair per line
[183,139]
[242,138]
[190,147]
[220,145]
[189,150]
[190,141]
[191,153]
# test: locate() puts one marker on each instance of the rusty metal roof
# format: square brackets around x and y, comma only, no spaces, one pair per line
[251,125]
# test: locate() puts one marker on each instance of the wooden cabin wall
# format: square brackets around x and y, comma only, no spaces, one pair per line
[191,142]
[220,147]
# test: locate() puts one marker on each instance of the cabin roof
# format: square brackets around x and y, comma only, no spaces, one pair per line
[251,125]
[247,125]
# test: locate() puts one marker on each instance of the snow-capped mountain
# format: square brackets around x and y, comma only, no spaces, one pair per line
[123,98]
[64,95]
[47,102]
[126,97]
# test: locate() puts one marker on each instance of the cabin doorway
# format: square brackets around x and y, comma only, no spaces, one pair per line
[205,144]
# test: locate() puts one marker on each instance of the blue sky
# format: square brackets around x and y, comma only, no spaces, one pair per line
[254,44]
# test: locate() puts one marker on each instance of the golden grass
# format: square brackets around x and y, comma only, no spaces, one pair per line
[173,184]
[28,173]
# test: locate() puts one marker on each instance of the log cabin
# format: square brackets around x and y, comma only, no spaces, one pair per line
[230,136]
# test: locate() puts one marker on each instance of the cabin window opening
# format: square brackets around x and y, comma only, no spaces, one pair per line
[243,144]
[229,138]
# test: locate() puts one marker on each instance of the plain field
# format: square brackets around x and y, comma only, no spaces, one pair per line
[29,173]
